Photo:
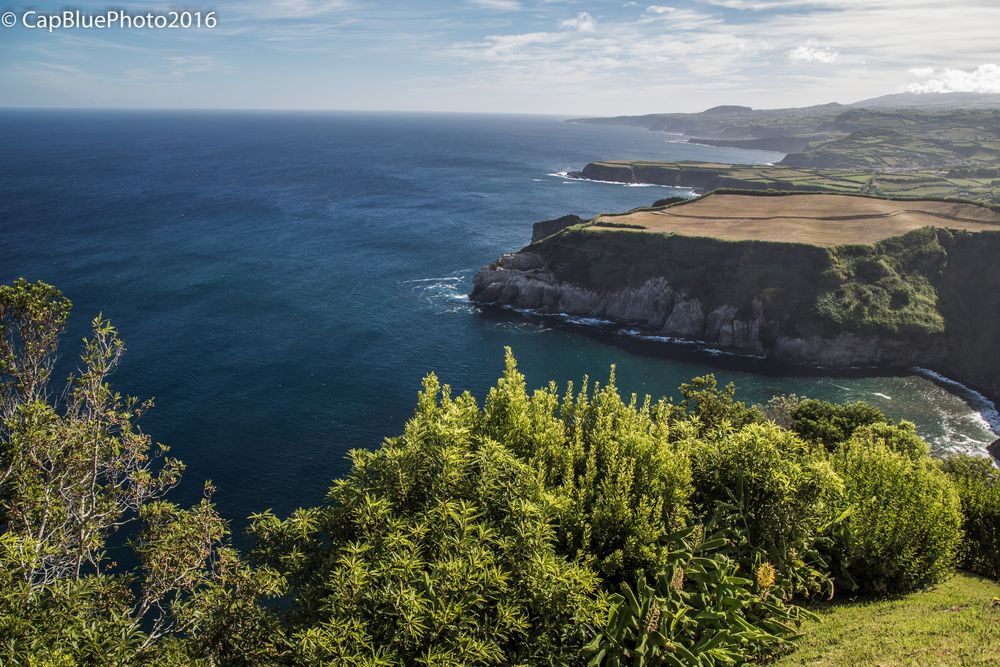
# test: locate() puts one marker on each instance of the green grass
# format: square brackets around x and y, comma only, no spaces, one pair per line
[840,138]
[711,176]
[955,623]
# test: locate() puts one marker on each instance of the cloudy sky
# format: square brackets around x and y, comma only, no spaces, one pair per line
[533,56]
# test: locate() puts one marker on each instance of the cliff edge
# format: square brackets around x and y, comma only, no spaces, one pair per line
[782,276]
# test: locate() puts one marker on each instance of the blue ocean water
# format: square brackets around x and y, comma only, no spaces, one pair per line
[283,281]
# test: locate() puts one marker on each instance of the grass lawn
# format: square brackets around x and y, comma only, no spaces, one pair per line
[955,623]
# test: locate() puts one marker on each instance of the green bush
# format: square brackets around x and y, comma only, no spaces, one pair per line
[437,548]
[901,437]
[904,526]
[978,483]
[617,472]
[830,424]
[699,611]
[480,536]
[780,493]
[716,409]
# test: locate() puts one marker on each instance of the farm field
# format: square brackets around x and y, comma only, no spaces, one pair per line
[817,219]
[980,185]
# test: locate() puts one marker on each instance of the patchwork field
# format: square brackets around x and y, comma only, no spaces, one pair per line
[817,219]
[972,184]
[832,136]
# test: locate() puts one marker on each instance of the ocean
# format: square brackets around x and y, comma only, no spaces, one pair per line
[283,281]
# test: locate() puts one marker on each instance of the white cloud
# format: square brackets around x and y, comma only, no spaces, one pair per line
[812,52]
[583,22]
[292,8]
[183,65]
[983,79]
[678,19]
[502,5]
[758,5]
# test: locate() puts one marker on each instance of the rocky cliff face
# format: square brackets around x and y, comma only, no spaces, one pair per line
[525,280]
[546,228]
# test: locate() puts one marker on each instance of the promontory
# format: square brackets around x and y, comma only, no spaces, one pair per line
[833,280]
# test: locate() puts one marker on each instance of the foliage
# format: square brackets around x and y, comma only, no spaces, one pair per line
[978,484]
[72,473]
[618,472]
[888,286]
[71,479]
[901,437]
[779,493]
[960,184]
[437,548]
[716,409]
[32,317]
[698,612]
[904,527]
[487,536]
[780,409]
[830,424]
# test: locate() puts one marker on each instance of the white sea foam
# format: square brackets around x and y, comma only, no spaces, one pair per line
[446,294]
[576,179]
[679,138]
[585,321]
[636,333]
[985,410]
[433,280]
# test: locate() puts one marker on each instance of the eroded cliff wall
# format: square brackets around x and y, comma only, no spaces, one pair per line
[929,299]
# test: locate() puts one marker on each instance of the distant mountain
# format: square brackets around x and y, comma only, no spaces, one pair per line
[893,132]
[932,100]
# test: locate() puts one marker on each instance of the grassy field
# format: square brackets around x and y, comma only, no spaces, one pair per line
[705,176]
[825,220]
[955,623]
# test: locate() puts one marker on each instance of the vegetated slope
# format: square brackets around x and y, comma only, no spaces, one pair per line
[835,136]
[955,623]
[980,184]
[928,297]
[934,100]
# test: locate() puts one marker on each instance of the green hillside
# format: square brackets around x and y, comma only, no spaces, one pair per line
[980,184]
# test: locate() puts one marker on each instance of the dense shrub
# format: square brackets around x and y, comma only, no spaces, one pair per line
[437,548]
[699,611]
[617,471]
[830,424]
[901,437]
[491,535]
[771,485]
[904,526]
[716,409]
[978,483]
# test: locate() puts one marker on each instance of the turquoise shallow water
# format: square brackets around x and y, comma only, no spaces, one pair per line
[283,281]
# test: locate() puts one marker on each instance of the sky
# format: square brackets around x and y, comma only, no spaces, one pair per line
[567,57]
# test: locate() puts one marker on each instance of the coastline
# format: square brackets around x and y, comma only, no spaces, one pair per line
[774,300]
[568,176]
[986,409]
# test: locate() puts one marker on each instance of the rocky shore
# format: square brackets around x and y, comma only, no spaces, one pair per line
[522,280]
[784,301]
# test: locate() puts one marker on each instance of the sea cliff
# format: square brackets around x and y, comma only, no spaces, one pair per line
[928,298]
